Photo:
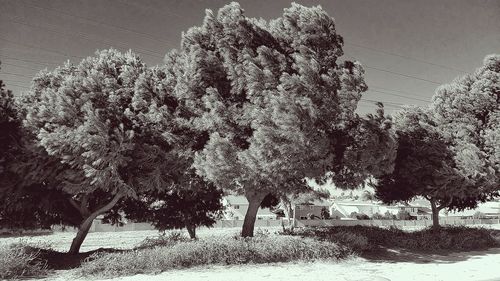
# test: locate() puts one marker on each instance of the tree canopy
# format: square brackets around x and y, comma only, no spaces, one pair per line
[91,117]
[448,152]
[468,112]
[277,104]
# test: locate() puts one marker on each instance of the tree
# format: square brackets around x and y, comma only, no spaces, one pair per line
[90,117]
[468,113]
[449,153]
[367,196]
[277,106]
[425,166]
[325,214]
[196,203]
[25,170]
[403,215]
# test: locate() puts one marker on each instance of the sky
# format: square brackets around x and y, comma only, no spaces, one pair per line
[408,48]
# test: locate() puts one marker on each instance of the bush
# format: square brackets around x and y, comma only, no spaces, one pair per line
[214,250]
[164,240]
[403,215]
[21,261]
[359,216]
[365,238]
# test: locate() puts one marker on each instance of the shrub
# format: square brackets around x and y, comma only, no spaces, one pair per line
[479,215]
[365,238]
[163,240]
[214,250]
[403,215]
[21,261]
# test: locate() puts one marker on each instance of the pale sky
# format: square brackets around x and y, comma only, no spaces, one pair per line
[407,47]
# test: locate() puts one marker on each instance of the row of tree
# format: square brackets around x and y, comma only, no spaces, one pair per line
[247,106]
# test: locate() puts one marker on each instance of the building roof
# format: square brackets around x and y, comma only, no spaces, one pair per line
[236,200]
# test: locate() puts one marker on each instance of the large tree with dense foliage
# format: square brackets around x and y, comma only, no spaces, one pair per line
[90,117]
[27,174]
[468,113]
[277,105]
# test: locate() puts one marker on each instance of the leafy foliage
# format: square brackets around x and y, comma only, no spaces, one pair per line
[448,153]
[276,105]
[196,203]
[468,111]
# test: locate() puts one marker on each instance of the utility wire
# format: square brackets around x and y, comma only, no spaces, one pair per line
[29,61]
[40,48]
[19,86]
[86,36]
[405,57]
[15,74]
[402,74]
[14,81]
[396,95]
[99,23]
[21,66]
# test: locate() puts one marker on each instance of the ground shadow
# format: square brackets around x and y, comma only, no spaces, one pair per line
[440,257]
[63,261]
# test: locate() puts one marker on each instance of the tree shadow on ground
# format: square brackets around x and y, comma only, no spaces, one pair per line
[63,261]
[388,255]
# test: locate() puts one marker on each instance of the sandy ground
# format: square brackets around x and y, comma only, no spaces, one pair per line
[398,266]
[472,266]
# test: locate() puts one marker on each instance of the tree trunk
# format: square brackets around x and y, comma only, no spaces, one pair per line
[254,199]
[191,230]
[287,209]
[435,214]
[84,227]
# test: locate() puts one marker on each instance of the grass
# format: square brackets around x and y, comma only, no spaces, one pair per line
[211,251]
[21,260]
[369,238]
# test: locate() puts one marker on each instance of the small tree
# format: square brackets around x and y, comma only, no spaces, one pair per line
[448,153]
[403,215]
[389,216]
[479,215]
[325,214]
[195,204]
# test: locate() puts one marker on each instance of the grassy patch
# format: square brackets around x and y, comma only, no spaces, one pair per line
[211,251]
[367,238]
[21,260]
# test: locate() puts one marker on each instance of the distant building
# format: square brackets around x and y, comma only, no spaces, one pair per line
[489,210]
[235,208]
[313,209]
[344,209]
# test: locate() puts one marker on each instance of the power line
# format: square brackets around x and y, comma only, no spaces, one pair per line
[15,74]
[405,57]
[40,48]
[100,23]
[21,66]
[29,61]
[387,102]
[396,95]
[148,7]
[19,86]
[15,81]
[86,36]
[402,74]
